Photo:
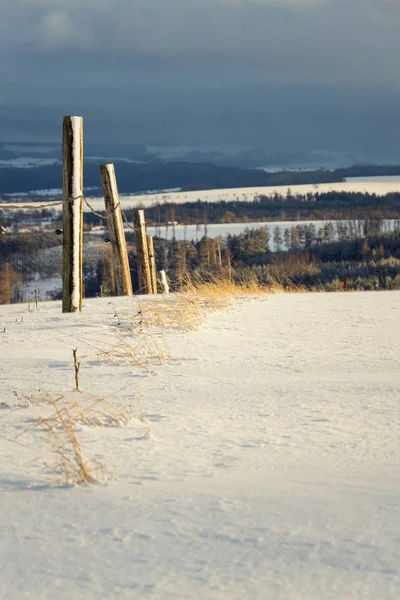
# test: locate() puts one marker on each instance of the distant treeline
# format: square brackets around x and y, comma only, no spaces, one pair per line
[313,206]
[327,258]
[318,206]
[356,254]
[368,263]
[316,262]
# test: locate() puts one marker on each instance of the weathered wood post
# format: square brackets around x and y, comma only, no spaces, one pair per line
[123,280]
[229,260]
[152,264]
[72,213]
[219,255]
[164,281]
[145,286]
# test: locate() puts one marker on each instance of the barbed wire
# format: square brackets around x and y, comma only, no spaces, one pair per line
[34,206]
[28,206]
[99,215]
[124,216]
[127,221]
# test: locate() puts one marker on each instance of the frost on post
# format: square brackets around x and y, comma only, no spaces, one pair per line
[72,213]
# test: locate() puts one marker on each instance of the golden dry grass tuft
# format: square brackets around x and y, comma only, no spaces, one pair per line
[70,414]
[220,292]
[185,310]
[282,285]
[70,466]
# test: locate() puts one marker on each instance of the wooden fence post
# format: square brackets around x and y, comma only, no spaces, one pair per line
[152,264]
[123,278]
[164,282]
[219,255]
[72,214]
[229,258]
[145,285]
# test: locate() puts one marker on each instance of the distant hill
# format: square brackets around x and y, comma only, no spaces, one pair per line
[135,177]
[141,177]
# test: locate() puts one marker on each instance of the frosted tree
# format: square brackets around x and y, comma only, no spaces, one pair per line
[278,240]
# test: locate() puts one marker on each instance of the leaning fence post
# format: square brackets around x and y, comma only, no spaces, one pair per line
[164,282]
[152,264]
[145,285]
[72,213]
[116,229]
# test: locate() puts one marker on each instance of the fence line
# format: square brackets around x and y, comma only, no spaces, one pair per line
[72,229]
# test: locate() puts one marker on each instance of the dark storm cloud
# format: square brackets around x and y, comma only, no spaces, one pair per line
[157,56]
[282,39]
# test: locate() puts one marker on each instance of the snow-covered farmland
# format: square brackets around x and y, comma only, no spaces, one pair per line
[372,185]
[380,187]
[271,469]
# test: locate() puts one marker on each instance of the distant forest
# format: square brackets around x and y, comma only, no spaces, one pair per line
[335,256]
[292,207]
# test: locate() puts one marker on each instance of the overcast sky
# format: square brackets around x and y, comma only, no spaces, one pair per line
[168,67]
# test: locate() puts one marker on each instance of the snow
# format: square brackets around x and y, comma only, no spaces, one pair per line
[248,194]
[27,162]
[43,286]
[271,469]
[374,185]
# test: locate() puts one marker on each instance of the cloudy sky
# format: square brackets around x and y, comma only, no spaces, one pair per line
[278,73]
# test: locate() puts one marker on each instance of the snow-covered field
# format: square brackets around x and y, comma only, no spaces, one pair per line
[271,470]
[28,162]
[379,187]
[372,185]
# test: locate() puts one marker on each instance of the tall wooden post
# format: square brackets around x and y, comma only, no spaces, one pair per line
[152,264]
[145,286]
[123,278]
[72,214]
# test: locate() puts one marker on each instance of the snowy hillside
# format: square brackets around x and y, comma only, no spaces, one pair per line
[256,457]
[368,185]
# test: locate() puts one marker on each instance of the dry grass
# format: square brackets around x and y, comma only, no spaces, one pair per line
[140,331]
[70,466]
[141,348]
[152,318]
[70,414]
[284,285]
[220,292]
[184,310]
